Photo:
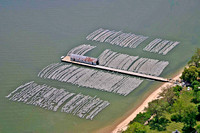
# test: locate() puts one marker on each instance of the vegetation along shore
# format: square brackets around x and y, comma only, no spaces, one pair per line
[171,107]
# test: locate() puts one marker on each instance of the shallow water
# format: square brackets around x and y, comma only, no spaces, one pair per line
[36,34]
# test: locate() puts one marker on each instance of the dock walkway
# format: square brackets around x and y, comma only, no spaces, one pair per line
[67,59]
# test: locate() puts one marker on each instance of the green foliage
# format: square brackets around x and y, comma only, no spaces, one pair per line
[190,74]
[198,128]
[176,117]
[178,107]
[168,95]
[189,117]
[141,117]
[157,107]
[173,126]
[197,97]
[136,127]
[196,88]
[174,103]
[184,112]
[159,124]
[198,116]
[188,129]
[195,60]
[177,90]
[197,83]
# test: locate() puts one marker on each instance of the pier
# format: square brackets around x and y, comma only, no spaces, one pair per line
[67,59]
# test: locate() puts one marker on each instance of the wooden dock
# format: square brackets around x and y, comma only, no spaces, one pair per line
[67,59]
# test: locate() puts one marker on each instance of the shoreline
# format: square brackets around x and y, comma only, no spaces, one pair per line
[124,124]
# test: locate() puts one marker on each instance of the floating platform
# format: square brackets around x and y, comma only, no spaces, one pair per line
[67,59]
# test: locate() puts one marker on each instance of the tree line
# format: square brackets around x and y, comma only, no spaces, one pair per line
[176,104]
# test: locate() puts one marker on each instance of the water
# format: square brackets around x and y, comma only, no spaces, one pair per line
[36,34]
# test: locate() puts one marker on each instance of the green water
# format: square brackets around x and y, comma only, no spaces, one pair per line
[36,34]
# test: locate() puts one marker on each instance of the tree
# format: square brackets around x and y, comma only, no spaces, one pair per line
[168,95]
[195,83]
[156,107]
[196,88]
[176,117]
[159,124]
[136,127]
[189,118]
[178,107]
[141,117]
[196,98]
[198,128]
[177,90]
[190,74]
[198,116]
[195,60]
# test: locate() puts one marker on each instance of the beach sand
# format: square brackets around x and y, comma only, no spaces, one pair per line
[124,124]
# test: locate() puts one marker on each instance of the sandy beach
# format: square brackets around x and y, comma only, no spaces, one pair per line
[124,124]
